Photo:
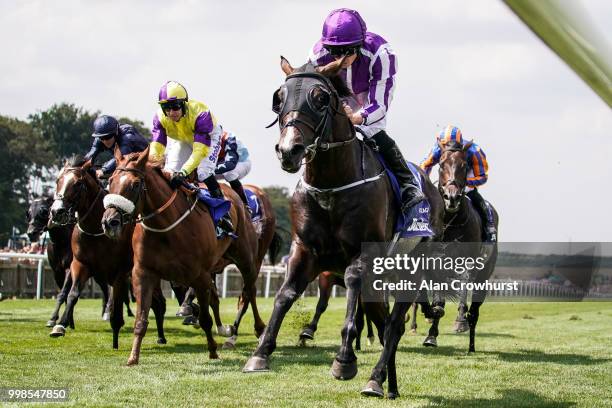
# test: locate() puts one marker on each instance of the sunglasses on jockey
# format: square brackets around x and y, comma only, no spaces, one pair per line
[338,52]
[107,137]
[172,106]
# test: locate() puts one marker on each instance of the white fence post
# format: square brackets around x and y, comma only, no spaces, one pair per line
[39,278]
[224,292]
[268,276]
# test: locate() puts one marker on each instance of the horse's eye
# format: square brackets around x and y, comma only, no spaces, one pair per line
[319,98]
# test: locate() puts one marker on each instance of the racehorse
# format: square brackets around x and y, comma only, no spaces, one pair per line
[178,241]
[462,224]
[326,282]
[79,200]
[269,241]
[343,199]
[59,253]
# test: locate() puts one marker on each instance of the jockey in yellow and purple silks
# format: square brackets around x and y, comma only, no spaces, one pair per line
[477,175]
[191,133]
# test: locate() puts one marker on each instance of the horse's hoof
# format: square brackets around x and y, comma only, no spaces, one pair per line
[471,350]
[307,334]
[58,331]
[461,326]
[430,341]
[230,344]
[256,364]
[106,316]
[225,330]
[373,389]
[184,311]
[190,321]
[213,355]
[161,340]
[344,371]
[132,361]
[51,323]
[371,340]
[393,395]
[302,342]
[413,331]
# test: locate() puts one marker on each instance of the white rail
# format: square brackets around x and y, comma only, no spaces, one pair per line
[42,258]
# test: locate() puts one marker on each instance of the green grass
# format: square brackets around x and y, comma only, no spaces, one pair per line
[558,356]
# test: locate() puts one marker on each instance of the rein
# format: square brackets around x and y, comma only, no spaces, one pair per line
[128,219]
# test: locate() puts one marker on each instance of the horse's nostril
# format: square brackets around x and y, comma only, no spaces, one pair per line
[297,149]
[114,223]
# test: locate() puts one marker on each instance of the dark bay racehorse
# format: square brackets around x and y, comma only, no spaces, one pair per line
[59,250]
[59,254]
[327,280]
[177,242]
[79,199]
[343,200]
[463,225]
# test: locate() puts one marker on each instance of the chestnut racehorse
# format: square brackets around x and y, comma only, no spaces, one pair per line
[174,239]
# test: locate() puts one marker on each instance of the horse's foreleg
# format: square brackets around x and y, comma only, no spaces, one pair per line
[79,274]
[344,366]
[300,271]
[206,322]
[144,284]
[215,303]
[461,324]
[61,298]
[118,293]
[325,290]
[472,318]
[413,323]
[393,333]
[158,304]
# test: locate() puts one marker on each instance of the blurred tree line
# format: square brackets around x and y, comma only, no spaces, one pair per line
[33,151]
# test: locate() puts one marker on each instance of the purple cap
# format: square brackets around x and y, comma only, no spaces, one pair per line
[343,27]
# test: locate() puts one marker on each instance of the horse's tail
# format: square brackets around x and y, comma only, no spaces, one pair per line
[275,248]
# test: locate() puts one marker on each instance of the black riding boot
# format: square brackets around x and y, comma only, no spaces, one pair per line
[225,223]
[237,187]
[411,195]
[488,227]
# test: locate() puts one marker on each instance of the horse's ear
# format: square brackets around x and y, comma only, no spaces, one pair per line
[117,153]
[87,165]
[286,66]
[142,158]
[333,68]
[468,145]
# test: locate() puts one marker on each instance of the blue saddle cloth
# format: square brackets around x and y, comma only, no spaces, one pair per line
[217,207]
[416,222]
[254,204]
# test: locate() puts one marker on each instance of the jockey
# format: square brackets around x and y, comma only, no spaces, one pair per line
[369,72]
[476,175]
[108,133]
[196,140]
[233,164]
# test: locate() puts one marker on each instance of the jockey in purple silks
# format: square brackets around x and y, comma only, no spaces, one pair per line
[369,71]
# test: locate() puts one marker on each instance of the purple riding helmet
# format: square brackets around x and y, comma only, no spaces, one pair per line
[343,27]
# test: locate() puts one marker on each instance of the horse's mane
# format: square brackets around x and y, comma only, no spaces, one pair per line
[337,81]
[76,160]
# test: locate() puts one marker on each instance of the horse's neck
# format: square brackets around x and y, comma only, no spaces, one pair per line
[90,215]
[157,194]
[60,235]
[338,166]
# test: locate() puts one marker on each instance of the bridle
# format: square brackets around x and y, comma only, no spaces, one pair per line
[72,216]
[323,117]
[131,218]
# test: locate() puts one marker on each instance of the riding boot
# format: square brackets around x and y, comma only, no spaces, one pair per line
[225,223]
[237,186]
[410,193]
[481,206]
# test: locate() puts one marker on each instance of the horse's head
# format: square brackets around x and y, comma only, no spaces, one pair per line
[452,179]
[38,217]
[126,187]
[73,182]
[306,105]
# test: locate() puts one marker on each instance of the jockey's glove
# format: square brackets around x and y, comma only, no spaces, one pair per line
[178,179]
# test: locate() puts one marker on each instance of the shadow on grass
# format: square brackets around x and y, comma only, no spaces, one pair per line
[509,398]
[520,356]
